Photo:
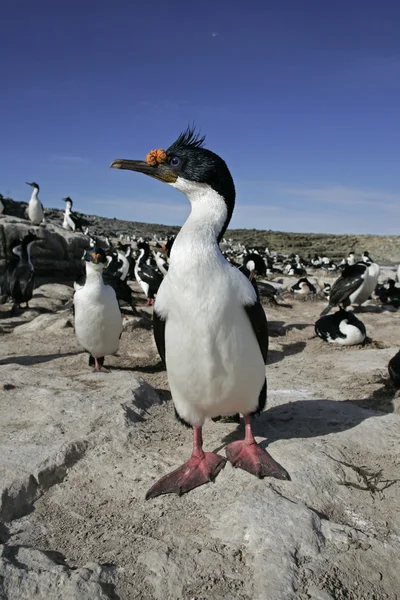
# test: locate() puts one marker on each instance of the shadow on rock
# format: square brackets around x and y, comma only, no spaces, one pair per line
[275,356]
[35,359]
[381,400]
[276,328]
[4,533]
[299,326]
[157,368]
[303,419]
[374,308]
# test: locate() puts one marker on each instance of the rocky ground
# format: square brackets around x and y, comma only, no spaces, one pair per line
[78,452]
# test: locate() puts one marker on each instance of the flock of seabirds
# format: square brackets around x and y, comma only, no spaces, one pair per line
[208,321]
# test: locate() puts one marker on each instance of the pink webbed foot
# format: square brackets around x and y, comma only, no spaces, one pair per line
[193,473]
[201,468]
[248,455]
[98,366]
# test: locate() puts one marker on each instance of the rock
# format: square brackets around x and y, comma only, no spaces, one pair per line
[57,254]
[49,322]
[47,426]
[144,321]
[26,573]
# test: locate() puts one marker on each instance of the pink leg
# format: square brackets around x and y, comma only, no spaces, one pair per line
[147,303]
[201,468]
[247,455]
[98,366]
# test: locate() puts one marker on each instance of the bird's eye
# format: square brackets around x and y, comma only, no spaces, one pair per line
[175,161]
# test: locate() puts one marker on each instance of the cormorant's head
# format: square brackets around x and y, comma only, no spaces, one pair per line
[33,184]
[96,256]
[68,201]
[190,168]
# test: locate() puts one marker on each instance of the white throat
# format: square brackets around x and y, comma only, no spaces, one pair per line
[35,194]
[209,211]
[94,273]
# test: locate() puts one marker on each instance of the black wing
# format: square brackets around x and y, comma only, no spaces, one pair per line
[21,284]
[343,288]
[80,218]
[259,323]
[150,276]
[159,334]
[120,287]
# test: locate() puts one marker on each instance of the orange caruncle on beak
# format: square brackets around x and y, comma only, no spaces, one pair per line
[156,157]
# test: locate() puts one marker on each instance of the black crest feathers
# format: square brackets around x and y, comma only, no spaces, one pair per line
[187,139]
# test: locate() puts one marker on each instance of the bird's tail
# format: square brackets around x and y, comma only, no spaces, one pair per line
[326,310]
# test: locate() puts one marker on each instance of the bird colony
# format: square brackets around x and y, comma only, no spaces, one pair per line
[209,300]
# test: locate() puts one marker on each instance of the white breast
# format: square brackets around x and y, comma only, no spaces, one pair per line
[370,281]
[352,333]
[98,322]
[35,211]
[214,362]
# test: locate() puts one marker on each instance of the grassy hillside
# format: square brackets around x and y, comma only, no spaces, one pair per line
[384,249]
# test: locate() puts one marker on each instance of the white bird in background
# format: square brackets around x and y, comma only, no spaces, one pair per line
[35,208]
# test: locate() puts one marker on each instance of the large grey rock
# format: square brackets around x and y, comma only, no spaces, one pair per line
[27,573]
[57,254]
[48,421]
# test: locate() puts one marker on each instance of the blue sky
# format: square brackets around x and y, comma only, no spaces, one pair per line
[300,98]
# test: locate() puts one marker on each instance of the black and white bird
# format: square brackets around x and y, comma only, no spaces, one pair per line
[394,369]
[254,263]
[326,290]
[1,204]
[147,276]
[98,320]
[342,328]
[347,289]
[304,287]
[72,221]
[124,264]
[21,274]
[209,327]
[161,262]
[389,293]
[35,210]
[365,257]
[112,277]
